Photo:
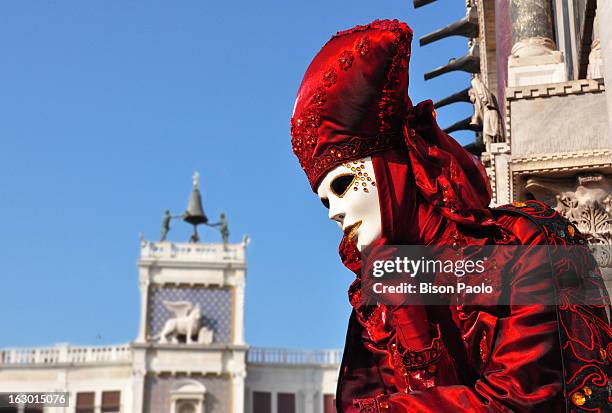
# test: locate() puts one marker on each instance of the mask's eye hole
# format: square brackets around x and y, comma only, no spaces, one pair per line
[341,184]
[325,202]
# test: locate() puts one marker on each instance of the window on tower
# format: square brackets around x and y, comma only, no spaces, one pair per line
[262,402]
[85,402]
[111,401]
[286,403]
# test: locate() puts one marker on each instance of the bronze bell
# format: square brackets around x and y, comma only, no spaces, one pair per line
[194,214]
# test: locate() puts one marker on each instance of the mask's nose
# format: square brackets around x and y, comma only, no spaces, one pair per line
[335,214]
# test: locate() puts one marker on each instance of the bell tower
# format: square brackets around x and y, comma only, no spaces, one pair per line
[189,355]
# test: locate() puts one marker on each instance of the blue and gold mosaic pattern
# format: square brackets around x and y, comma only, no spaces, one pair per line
[215,303]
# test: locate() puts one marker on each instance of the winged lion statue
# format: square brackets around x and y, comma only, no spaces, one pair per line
[187,321]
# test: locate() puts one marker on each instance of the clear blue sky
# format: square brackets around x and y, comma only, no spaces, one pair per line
[106,109]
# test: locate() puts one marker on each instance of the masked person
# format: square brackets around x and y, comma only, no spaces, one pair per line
[390,176]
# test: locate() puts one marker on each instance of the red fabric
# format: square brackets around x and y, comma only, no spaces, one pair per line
[493,358]
[352,101]
[432,181]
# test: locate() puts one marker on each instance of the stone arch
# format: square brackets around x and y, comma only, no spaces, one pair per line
[187,396]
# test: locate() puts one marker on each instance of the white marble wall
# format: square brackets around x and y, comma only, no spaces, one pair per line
[559,124]
[309,383]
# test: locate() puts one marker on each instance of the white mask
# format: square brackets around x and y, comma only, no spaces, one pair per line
[349,191]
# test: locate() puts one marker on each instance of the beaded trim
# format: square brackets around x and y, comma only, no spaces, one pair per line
[416,360]
[368,405]
[304,126]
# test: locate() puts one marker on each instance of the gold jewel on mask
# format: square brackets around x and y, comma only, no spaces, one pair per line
[358,167]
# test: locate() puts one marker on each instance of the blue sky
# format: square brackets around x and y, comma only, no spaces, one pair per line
[106,109]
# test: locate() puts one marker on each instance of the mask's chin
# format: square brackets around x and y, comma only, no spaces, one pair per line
[363,238]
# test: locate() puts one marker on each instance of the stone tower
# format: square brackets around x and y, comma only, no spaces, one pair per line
[189,356]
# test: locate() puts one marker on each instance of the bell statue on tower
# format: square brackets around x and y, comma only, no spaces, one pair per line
[194,214]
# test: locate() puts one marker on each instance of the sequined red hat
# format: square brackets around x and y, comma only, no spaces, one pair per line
[353,99]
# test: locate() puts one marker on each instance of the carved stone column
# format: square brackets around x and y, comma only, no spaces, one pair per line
[532,27]
[534,59]
[308,405]
[238,386]
[144,304]
[139,373]
[239,312]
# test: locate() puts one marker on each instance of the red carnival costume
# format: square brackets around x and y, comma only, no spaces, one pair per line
[353,103]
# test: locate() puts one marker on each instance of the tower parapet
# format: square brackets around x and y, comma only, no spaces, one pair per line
[196,252]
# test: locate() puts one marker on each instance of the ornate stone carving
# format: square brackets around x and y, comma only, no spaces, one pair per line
[586,202]
[595,68]
[486,112]
[589,207]
[187,322]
